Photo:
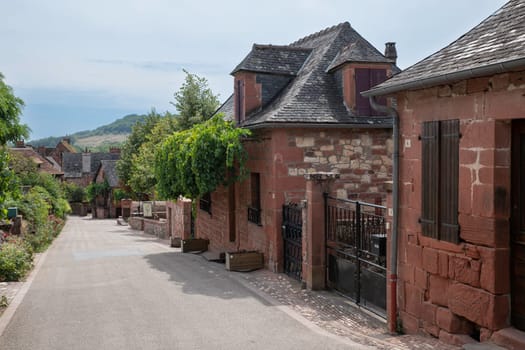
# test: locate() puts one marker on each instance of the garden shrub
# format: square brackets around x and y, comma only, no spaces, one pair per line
[15,259]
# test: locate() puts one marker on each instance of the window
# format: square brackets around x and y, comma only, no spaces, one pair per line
[365,79]
[440,173]
[254,210]
[239,100]
[205,202]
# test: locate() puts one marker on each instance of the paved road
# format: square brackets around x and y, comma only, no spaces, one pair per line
[103,286]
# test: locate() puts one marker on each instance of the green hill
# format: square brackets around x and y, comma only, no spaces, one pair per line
[99,139]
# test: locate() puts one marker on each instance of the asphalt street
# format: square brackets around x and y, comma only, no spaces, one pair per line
[104,286]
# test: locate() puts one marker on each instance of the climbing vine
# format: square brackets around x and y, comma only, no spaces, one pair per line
[195,161]
[97,189]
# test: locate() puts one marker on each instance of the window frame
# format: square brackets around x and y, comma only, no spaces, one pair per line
[254,209]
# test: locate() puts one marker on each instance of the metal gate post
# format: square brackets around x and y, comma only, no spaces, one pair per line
[358,252]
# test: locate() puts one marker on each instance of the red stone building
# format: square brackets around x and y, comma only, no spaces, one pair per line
[302,103]
[461,228]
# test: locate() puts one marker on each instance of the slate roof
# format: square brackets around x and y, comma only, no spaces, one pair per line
[44,165]
[496,44]
[109,167]
[72,163]
[358,51]
[285,60]
[313,96]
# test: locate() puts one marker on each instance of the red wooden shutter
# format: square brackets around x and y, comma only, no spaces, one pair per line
[366,78]
[362,83]
[377,76]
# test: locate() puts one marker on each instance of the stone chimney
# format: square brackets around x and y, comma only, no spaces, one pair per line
[86,162]
[66,140]
[391,52]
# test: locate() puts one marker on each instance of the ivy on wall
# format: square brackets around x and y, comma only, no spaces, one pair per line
[196,161]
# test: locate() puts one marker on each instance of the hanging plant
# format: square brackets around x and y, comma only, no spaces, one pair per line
[195,161]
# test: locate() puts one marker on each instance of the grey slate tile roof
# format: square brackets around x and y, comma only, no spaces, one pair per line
[109,167]
[284,60]
[314,95]
[496,41]
[72,163]
[358,51]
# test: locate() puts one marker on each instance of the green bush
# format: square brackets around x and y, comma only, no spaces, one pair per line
[15,260]
[74,193]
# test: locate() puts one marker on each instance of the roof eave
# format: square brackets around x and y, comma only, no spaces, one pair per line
[500,67]
[273,125]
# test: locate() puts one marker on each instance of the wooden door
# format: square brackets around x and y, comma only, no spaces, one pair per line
[518,226]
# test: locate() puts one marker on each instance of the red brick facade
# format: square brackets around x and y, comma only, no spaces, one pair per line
[464,288]
[282,156]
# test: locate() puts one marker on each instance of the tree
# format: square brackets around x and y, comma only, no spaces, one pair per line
[196,161]
[194,101]
[10,111]
[142,178]
[10,130]
[137,137]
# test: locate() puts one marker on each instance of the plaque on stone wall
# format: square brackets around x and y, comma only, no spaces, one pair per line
[148,209]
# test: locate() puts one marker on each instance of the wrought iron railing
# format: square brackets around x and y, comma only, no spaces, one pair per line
[254,215]
[356,225]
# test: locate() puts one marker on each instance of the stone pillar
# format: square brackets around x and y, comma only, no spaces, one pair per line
[314,240]
[125,204]
[182,219]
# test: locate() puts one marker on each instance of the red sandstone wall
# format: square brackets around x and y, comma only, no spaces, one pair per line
[446,289]
[282,157]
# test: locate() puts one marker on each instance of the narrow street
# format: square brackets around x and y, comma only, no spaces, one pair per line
[103,286]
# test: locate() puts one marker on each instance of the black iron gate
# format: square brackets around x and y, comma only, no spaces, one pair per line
[292,231]
[356,251]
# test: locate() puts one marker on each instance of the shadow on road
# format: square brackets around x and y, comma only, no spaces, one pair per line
[194,275]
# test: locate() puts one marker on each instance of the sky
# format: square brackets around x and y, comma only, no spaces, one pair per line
[82,64]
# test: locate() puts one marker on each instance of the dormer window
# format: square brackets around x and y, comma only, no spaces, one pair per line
[365,79]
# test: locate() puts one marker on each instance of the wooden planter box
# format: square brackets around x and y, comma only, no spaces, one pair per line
[175,242]
[194,244]
[244,261]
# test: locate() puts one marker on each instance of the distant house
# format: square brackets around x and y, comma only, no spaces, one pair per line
[44,164]
[461,237]
[80,168]
[302,103]
[105,205]
[63,146]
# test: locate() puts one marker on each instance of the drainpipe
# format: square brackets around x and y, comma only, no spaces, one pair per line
[392,278]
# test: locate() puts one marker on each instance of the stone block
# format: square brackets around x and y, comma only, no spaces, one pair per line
[451,323]
[484,309]
[410,323]
[495,276]
[510,338]
[443,264]
[455,339]
[421,278]
[414,299]
[430,260]
[466,271]
[438,290]
[428,313]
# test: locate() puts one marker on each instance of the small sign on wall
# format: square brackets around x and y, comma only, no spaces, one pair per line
[148,209]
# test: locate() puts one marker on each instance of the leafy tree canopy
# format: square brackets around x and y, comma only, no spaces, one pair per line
[194,101]
[142,177]
[195,161]
[137,137]
[10,111]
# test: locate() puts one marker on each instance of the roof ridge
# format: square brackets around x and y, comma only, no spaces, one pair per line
[287,47]
[321,32]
